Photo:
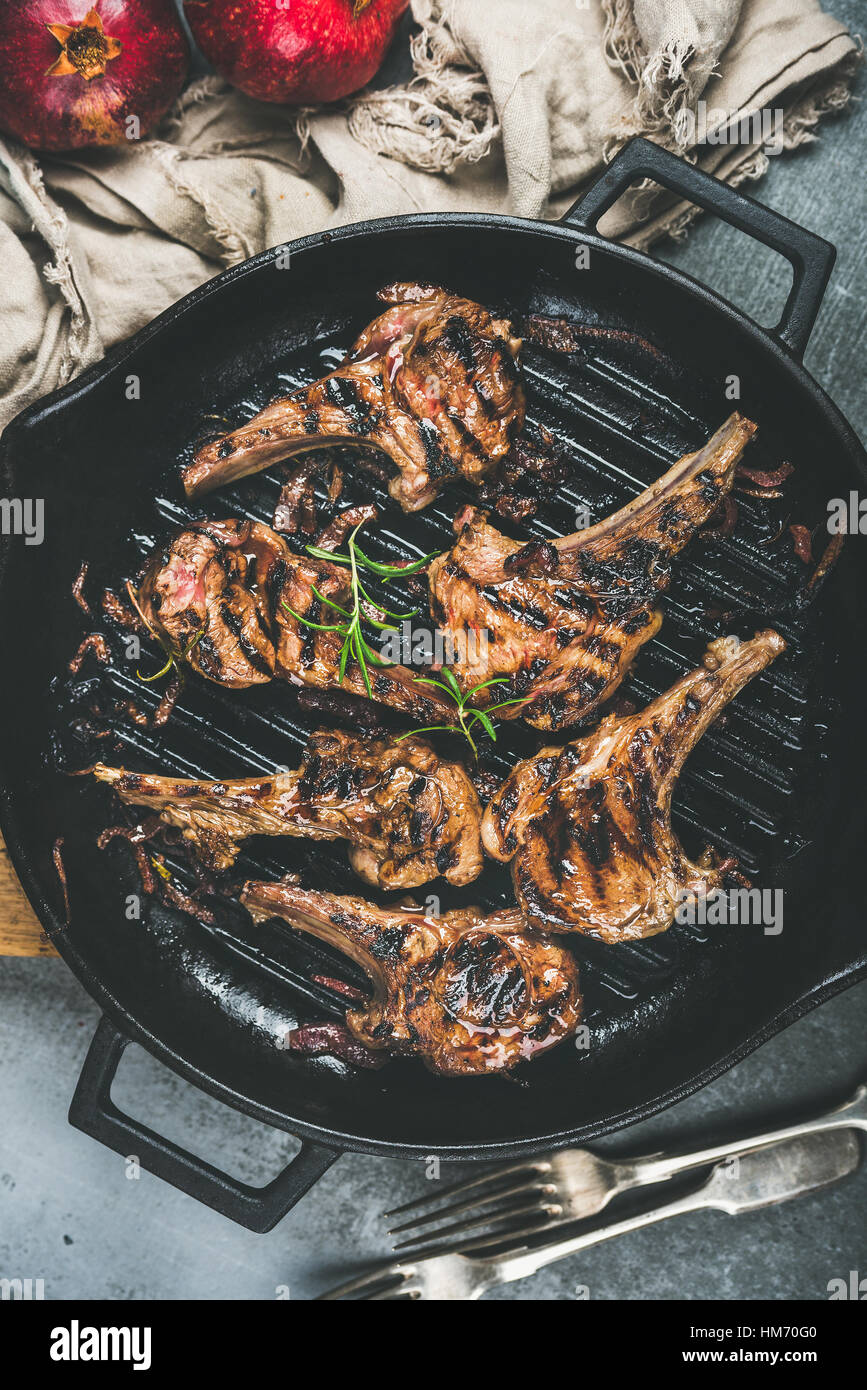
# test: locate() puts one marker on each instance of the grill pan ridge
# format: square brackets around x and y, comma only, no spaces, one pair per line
[211,736]
[772,784]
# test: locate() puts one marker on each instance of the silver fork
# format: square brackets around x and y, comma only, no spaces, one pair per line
[575,1183]
[759,1179]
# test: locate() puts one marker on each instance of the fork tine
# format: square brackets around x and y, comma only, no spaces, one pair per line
[470,1204]
[544,1210]
[457,1189]
[391,1275]
[493,1243]
[505,1244]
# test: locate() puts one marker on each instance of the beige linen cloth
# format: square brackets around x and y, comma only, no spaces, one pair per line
[515,105]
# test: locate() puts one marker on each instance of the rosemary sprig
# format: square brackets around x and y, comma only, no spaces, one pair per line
[384,571]
[355,645]
[173,658]
[466,715]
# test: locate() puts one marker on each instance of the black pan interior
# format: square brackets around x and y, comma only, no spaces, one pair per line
[779,784]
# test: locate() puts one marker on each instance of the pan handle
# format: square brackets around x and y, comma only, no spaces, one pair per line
[811,257]
[258,1208]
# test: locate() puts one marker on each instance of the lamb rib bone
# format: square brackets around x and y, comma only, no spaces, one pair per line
[587,827]
[432,383]
[563,621]
[409,816]
[470,993]
[220,594]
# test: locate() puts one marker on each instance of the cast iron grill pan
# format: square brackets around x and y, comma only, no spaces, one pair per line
[774,784]
[737,790]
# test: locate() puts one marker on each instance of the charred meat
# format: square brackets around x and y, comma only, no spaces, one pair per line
[408,815]
[432,383]
[469,993]
[200,597]
[588,827]
[222,594]
[563,621]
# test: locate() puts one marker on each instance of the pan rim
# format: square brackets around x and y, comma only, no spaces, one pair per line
[40,411]
[344,1142]
[33,414]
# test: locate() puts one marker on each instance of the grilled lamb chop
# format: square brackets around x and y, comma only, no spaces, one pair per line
[408,816]
[471,994]
[217,595]
[432,383]
[588,826]
[564,621]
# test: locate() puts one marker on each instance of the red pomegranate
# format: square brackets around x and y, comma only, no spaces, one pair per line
[73,76]
[295,51]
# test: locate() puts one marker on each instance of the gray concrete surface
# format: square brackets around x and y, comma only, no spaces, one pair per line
[71,1215]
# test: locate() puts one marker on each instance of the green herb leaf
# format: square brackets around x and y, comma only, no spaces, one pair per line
[449,676]
[495,680]
[356,642]
[318,627]
[430,729]
[426,680]
[331,604]
[319,554]
[163,671]
[393,571]
[486,723]
[358,649]
[467,716]
[174,659]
